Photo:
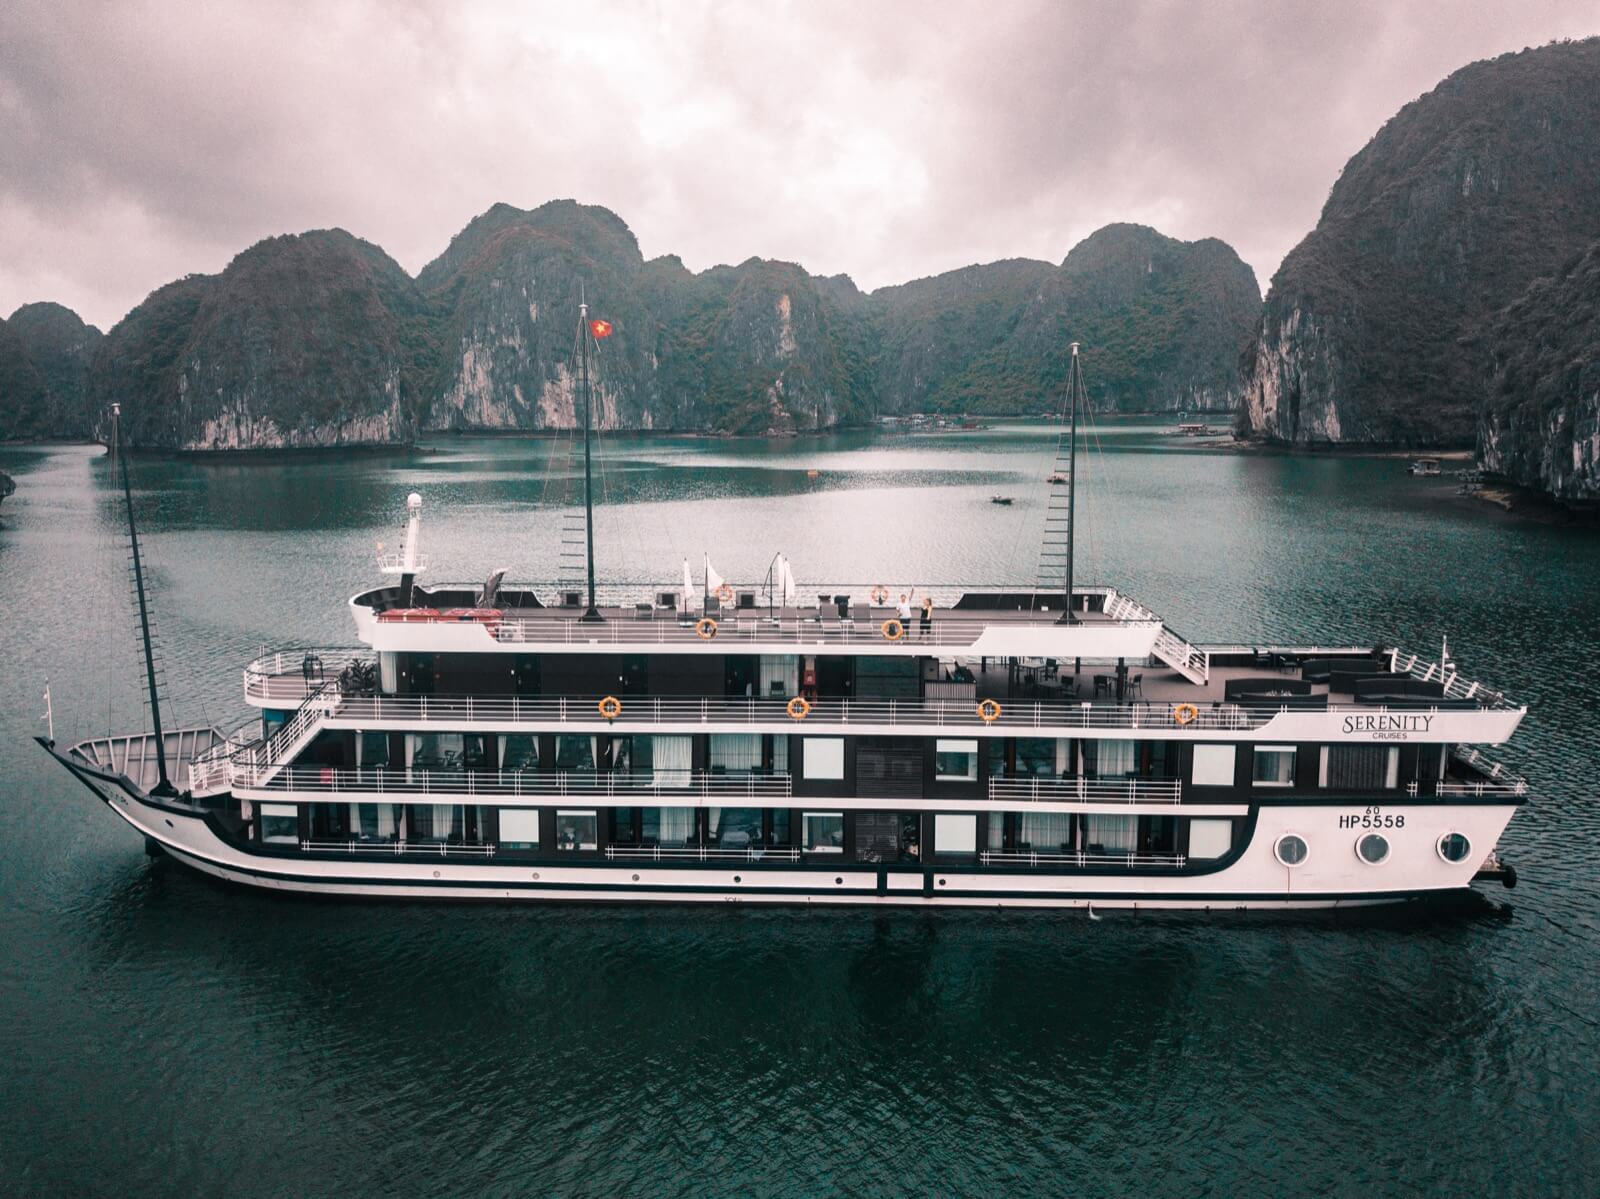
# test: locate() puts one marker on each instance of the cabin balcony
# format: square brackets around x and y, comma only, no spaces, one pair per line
[1006,792]
[508,787]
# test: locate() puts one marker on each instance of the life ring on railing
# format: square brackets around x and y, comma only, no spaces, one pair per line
[892,630]
[1185,713]
[705,628]
[798,708]
[725,593]
[880,595]
[610,707]
[988,711]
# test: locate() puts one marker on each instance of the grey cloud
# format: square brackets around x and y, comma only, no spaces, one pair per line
[140,142]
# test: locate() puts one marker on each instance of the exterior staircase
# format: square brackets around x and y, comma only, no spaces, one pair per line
[1193,664]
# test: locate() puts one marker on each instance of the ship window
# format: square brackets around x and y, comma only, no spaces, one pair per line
[436,751]
[823,757]
[1110,834]
[374,750]
[824,832]
[780,826]
[374,821]
[1045,832]
[735,753]
[1210,838]
[1213,765]
[433,822]
[519,751]
[577,830]
[671,759]
[956,760]
[1372,848]
[1116,759]
[780,754]
[1360,767]
[575,754]
[280,824]
[996,836]
[734,828]
[1274,766]
[955,834]
[1291,850]
[1036,757]
[1454,847]
[519,828]
[670,828]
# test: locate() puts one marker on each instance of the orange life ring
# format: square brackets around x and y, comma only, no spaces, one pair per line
[798,708]
[706,628]
[1185,713]
[893,630]
[988,711]
[725,593]
[610,707]
[880,595]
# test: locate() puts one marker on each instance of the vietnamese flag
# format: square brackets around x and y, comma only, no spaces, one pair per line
[599,329]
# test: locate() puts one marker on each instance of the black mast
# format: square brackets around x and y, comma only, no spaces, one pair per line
[588,478]
[1074,385]
[163,783]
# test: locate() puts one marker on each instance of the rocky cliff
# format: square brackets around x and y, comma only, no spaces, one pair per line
[315,340]
[321,339]
[1541,425]
[45,351]
[1446,216]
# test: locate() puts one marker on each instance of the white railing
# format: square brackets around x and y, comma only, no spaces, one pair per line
[399,785]
[439,849]
[1082,790]
[1455,687]
[654,853]
[1023,857]
[288,678]
[465,711]
[1193,663]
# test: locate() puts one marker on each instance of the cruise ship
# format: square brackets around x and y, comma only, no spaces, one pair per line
[1030,747]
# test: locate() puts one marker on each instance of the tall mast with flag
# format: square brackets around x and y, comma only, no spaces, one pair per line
[586,329]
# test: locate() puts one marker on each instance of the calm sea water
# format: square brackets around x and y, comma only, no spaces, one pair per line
[163,1035]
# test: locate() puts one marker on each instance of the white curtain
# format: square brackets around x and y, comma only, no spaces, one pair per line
[677,825]
[1117,759]
[386,825]
[736,753]
[780,674]
[673,758]
[780,754]
[444,820]
[1045,832]
[1114,834]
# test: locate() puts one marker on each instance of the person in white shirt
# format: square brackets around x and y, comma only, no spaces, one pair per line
[904,610]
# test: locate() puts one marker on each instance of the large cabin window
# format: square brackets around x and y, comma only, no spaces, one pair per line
[1110,834]
[575,754]
[1116,759]
[670,828]
[434,822]
[519,828]
[955,834]
[372,750]
[1045,832]
[956,761]
[734,828]
[280,824]
[519,751]
[735,753]
[1273,766]
[577,830]
[374,821]
[1036,757]
[1213,765]
[823,757]
[1210,839]
[1359,767]
[448,751]
[824,832]
[780,675]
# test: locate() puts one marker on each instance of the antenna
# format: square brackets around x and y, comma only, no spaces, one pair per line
[163,783]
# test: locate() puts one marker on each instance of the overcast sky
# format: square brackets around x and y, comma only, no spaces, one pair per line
[887,139]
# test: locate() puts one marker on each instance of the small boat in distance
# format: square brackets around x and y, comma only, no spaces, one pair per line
[1000,499]
[1427,467]
[1057,477]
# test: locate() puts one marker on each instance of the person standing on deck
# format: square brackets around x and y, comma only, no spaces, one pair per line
[925,625]
[903,611]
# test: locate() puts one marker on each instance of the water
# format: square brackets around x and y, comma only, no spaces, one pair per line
[164,1035]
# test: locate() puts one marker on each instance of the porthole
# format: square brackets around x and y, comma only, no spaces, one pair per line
[1454,847]
[839,882]
[1291,849]
[636,878]
[1373,848]
[737,879]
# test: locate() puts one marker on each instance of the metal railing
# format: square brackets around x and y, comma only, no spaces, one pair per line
[439,849]
[656,788]
[287,677]
[1022,857]
[1083,790]
[700,854]
[1455,687]
[830,713]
